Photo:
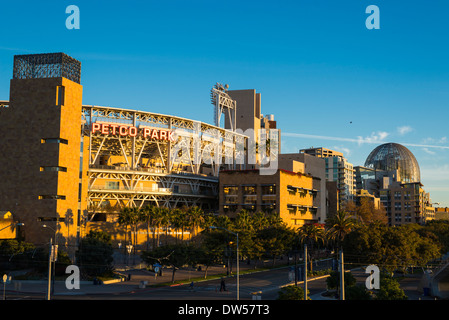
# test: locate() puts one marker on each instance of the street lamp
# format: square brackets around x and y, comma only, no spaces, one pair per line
[13,224]
[238,274]
[52,258]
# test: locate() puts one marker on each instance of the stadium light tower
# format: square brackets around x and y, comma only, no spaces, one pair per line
[223,103]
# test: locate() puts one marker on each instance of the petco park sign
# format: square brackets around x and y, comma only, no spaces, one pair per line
[130,131]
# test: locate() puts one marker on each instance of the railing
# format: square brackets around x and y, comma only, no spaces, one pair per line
[167,191]
[135,189]
[150,170]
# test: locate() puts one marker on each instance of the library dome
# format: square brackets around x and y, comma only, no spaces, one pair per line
[393,156]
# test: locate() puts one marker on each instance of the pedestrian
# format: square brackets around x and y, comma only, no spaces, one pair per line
[222,285]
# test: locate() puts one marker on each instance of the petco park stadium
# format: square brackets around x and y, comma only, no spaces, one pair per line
[63,162]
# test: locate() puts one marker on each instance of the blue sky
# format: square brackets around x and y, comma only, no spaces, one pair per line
[315,63]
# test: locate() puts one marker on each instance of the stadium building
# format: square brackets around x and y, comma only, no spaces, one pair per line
[64,163]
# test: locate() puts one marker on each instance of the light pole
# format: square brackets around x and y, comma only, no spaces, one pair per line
[13,224]
[53,255]
[238,271]
[305,272]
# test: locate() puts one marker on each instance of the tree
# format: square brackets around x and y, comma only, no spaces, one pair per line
[158,220]
[174,256]
[129,217]
[276,240]
[389,289]
[291,293]
[195,215]
[333,281]
[165,220]
[146,215]
[390,248]
[177,217]
[310,234]
[259,221]
[339,226]
[207,256]
[95,253]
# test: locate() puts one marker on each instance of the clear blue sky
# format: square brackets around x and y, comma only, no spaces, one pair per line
[315,63]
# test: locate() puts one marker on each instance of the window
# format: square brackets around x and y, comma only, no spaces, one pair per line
[269,189]
[229,208]
[112,185]
[60,95]
[230,199]
[50,168]
[54,140]
[268,205]
[250,199]
[51,197]
[249,189]
[230,190]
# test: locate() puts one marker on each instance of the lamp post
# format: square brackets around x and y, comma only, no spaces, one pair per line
[53,256]
[238,273]
[13,224]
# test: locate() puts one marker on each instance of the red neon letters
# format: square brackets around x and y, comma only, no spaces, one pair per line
[146,133]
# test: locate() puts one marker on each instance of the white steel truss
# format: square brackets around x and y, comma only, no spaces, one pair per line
[223,103]
[185,171]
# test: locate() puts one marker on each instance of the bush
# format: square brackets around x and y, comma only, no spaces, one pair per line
[16,255]
[95,254]
[291,293]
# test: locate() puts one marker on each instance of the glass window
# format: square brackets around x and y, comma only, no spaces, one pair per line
[269,189]
[54,140]
[49,168]
[249,189]
[112,185]
[230,190]
[51,197]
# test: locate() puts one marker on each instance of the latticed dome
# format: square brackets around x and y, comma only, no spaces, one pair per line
[393,156]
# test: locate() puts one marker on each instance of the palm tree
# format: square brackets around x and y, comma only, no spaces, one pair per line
[129,217]
[339,226]
[259,220]
[196,217]
[310,234]
[158,218]
[177,220]
[165,220]
[146,214]
[124,218]
[243,222]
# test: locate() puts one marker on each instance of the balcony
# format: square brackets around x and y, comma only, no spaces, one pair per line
[123,189]
[149,170]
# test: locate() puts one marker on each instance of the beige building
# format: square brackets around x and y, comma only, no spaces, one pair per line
[442,213]
[338,169]
[315,167]
[249,117]
[406,203]
[40,127]
[290,194]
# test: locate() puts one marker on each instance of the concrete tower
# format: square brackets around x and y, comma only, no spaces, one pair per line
[40,129]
